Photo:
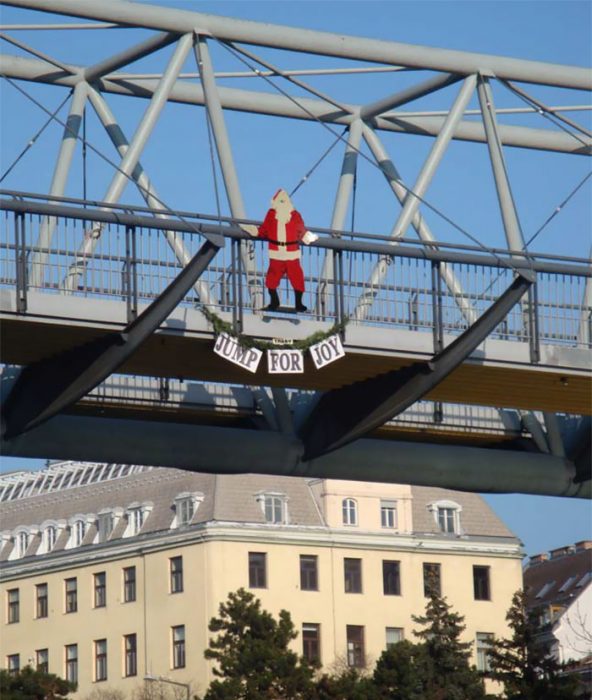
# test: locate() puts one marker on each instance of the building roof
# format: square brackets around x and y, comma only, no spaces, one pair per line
[559,579]
[222,498]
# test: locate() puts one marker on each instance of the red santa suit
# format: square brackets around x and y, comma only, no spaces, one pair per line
[284,229]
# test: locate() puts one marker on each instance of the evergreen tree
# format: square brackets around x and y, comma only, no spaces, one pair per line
[251,650]
[400,672]
[523,666]
[31,684]
[447,674]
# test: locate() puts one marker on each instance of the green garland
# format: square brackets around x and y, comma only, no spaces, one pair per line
[221,326]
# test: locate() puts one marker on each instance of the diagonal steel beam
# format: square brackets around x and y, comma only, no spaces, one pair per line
[226,159]
[130,160]
[423,231]
[124,58]
[404,96]
[145,187]
[59,180]
[348,413]
[49,386]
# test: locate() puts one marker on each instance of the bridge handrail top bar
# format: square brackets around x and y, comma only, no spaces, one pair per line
[335,233]
[315,42]
[381,248]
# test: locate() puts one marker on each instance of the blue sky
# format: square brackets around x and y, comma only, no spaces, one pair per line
[556,32]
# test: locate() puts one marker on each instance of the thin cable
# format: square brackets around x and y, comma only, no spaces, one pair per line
[32,141]
[315,166]
[213,163]
[543,111]
[84,155]
[506,263]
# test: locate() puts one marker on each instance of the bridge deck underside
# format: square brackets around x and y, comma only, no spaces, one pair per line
[170,354]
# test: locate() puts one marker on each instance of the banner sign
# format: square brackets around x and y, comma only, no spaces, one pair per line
[327,351]
[285,362]
[230,349]
[280,361]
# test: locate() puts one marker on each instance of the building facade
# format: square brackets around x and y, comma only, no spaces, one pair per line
[111,580]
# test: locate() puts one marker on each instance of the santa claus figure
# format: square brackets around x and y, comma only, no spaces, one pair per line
[284,229]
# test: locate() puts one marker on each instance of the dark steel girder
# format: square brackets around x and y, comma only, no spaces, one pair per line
[47,387]
[346,414]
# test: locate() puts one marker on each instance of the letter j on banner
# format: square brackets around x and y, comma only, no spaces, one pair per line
[327,351]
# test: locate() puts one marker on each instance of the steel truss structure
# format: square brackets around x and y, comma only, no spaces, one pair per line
[323,435]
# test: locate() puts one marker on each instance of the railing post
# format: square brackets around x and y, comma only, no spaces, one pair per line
[437,329]
[338,285]
[238,307]
[21,263]
[130,278]
[533,324]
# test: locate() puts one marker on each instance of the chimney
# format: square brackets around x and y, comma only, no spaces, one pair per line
[583,544]
[538,558]
[561,551]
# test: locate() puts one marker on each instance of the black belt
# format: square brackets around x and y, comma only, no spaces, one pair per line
[284,243]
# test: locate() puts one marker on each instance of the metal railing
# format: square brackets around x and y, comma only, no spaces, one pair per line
[132,261]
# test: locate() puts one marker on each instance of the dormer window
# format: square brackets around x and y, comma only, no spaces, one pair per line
[447,516]
[137,514]
[79,532]
[388,514]
[186,505]
[349,510]
[105,523]
[22,543]
[274,507]
[78,528]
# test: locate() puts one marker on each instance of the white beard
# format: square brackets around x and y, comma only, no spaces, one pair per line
[283,213]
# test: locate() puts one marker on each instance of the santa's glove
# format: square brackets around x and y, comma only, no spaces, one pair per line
[309,238]
[251,229]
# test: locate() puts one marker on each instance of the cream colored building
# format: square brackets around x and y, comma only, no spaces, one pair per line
[110,575]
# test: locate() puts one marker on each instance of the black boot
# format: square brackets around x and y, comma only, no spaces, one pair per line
[274,300]
[298,305]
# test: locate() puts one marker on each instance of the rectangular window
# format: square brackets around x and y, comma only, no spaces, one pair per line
[309,580]
[178,646]
[311,642]
[71,587]
[356,657]
[481,583]
[42,660]
[105,526]
[13,612]
[446,519]
[176,568]
[100,659]
[391,577]
[484,642]
[100,582]
[13,663]
[388,514]
[257,570]
[130,647]
[72,663]
[432,580]
[41,606]
[185,511]
[394,635]
[352,573]
[129,584]
[136,520]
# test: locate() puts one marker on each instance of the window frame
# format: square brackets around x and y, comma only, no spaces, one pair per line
[257,569]
[71,663]
[130,655]
[447,506]
[483,642]
[388,508]
[129,586]
[349,512]
[42,666]
[309,575]
[41,601]
[100,589]
[100,658]
[176,579]
[391,577]
[478,583]
[178,656]
[13,606]
[401,636]
[352,575]
[434,566]
[71,595]
[11,666]
[311,642]
[356,657]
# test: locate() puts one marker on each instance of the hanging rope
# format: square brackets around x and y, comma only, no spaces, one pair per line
[32,141]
